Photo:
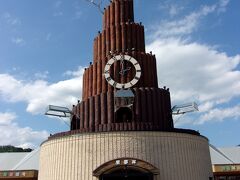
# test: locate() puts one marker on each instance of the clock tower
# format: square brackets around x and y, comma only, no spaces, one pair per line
[123,127]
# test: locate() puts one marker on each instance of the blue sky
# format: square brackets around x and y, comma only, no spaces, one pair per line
[44,46]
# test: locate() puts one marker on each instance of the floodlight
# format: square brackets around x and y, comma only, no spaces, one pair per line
[184,108]
[58,111]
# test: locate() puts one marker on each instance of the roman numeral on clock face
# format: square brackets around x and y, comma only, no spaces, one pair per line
[106,72]
[137,78]
[108,78]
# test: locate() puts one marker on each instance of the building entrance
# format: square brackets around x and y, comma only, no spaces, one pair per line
[127,175]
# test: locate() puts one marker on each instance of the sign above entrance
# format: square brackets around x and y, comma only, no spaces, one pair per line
[129,163]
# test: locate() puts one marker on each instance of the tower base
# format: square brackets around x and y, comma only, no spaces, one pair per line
[126,155]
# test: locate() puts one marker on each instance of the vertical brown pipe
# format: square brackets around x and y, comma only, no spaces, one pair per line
[99,77]
[87,83]
[91,114]
[112,14]
[110,109]
[131,11]
[103,108]
[97,112]
[161,109]
[97,49]
[90,80]
[138,105]
[82,117]
[124,38]
[86,114]
[99,46]
[104,82]
[103,46]
[134,40]
[155,106]
[94,79]
[118,38]
[78,116]
[117,13]
[126,11]
[150,71]
[144,105]
[149,105]
[107,18]
[155,72]
[142,38]
[108,42]
[83,86]
[94,50]
[104,19]
[140,60]
[145,69]
[163,120]
[129,36]
[122,12]
[138,37]
[113,38]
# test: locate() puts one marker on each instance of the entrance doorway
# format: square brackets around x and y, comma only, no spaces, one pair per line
[127,174]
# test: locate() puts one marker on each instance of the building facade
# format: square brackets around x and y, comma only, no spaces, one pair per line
[123,127]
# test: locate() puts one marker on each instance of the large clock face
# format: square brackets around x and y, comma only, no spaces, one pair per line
[123,70]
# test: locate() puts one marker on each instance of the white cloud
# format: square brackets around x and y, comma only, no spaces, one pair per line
[18,41]
[7,118]
[195,71]
[11,19]
[39,93]
[41,75]
[218,114]
[12,134]
[189,23]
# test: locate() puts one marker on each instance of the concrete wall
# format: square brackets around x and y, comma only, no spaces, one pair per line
[176,155]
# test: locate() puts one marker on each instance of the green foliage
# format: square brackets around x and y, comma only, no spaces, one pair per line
[10,148]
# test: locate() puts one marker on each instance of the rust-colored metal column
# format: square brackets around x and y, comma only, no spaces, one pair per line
[97,112]
[108,41]
[110,109]
[99,46]
[161,109]
[91,114]
[103,45]
[117,13]
[94,79]
[90,80]
[142,39]
[104,82]
[126,11]
[155,106]
[124,38]
[129,36]
[145,70]
[103,108]
[84,86]
[82,117]
[113,38]
[155,71]
[131,14]
[112,14]
[149,105]
[86,114]
[118,38]
[144,104]
[87,83]
[95,50]
[122,11]
[138,105]
[134,40]
[138,37]
[99,77]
